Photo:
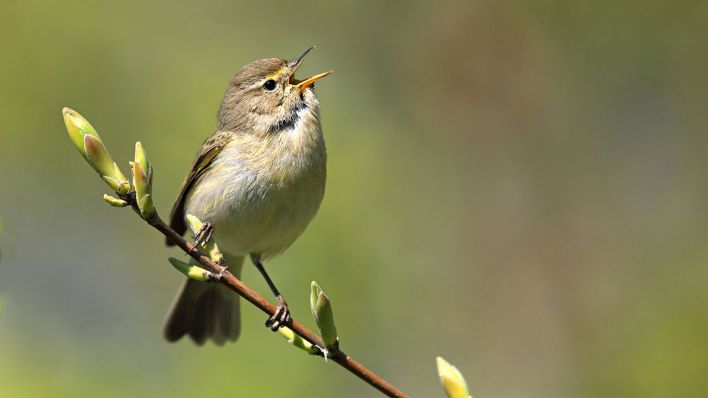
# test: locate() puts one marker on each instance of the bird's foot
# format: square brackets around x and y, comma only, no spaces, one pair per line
[203,235]
[281,316]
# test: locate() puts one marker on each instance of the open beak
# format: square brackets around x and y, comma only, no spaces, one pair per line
[310,81]
[302,85]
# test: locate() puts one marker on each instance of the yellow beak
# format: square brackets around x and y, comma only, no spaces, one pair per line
[302,85]
[310,81]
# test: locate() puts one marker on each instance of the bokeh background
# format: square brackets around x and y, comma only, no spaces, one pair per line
[520,187]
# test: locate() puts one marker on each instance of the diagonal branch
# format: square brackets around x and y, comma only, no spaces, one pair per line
[233,283]
[138,195]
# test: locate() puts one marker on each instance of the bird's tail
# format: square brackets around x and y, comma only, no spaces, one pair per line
[206,310]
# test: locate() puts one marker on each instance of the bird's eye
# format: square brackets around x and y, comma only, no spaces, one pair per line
[269,85]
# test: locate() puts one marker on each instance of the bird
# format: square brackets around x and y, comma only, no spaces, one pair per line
[257,181]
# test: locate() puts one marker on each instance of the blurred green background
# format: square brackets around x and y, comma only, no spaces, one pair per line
[521,187]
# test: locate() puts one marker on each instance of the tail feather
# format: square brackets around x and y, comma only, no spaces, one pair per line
[205,311]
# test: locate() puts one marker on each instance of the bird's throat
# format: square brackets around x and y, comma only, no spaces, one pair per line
[289,120]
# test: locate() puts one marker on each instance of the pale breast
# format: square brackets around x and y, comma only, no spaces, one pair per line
[261,192]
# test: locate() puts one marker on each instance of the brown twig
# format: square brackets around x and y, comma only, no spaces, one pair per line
[138,195]
[233,283]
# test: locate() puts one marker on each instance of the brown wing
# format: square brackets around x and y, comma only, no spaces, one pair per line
[209,150]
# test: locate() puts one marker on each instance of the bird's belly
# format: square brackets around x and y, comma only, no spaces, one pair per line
[253,214]
[270,224]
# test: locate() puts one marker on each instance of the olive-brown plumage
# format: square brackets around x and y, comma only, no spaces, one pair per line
[258,180]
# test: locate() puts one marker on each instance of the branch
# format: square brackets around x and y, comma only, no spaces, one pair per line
[138,195]
[233,283]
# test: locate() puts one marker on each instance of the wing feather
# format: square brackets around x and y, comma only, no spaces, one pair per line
[210,149]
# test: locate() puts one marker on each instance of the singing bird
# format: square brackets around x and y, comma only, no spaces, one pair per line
[258,181]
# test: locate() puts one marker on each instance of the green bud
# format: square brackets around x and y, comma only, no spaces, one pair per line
[124,185]
[194,223]
[141,157]
[112,182]
[98,157]
[298,341]
[322,312]
[78,127]
[115,202]
[211,247]
[142,182]
[147,209]
[192,271]
[451,379]
[89,144]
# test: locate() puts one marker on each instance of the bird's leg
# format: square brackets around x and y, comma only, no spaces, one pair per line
[282,313]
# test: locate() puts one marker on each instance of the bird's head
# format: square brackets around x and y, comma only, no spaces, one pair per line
[265,96]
